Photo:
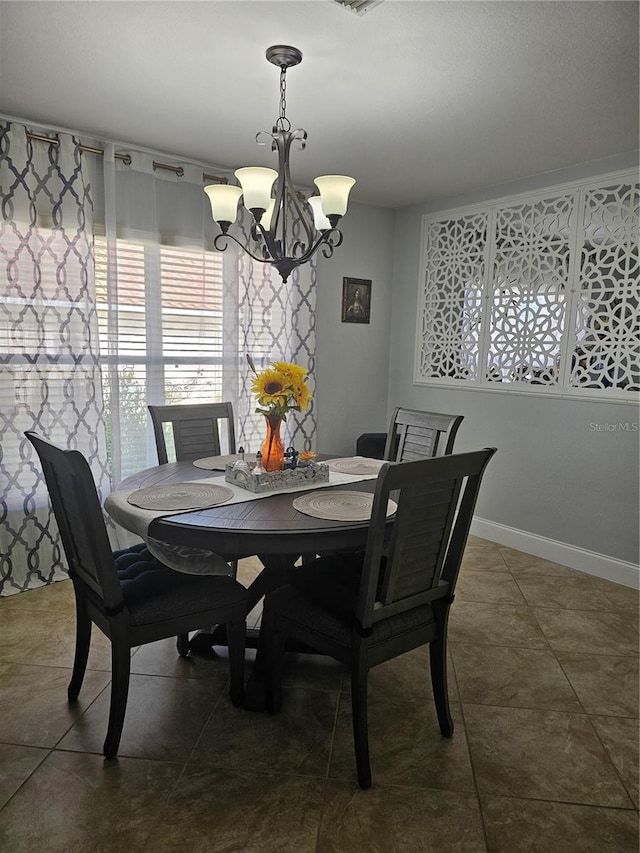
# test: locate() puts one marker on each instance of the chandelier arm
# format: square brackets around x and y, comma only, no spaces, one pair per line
[284,188]
[329,239]
[220,248]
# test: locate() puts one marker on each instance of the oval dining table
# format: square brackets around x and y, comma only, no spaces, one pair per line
[270,528]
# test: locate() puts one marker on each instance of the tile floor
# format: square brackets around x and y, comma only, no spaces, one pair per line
[544,686]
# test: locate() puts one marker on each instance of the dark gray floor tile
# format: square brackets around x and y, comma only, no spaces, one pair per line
[549,755]
[605,684]
[620,738]
[568,593]
[591,632]
[405,745]
[163,721]
[246,811]
[524,678]
[488,587]
[79,802]
[515,826]
[495,625]
[17,763]
[34,710]
[402,820]
[296,741]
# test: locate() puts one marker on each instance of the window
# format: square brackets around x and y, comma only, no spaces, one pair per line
[158,343]
[535,291]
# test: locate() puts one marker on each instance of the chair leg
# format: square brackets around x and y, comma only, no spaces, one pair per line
[359,675]
[182,645]
[83,643]
[120,670]
[236,641]
[438,664]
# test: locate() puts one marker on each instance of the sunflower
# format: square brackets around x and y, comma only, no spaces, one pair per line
[291,371]
[280,388]
[301,395]
[270,388]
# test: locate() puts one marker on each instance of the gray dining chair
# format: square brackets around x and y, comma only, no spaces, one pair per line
[132,597]
[412,434]
[196,429]
[364,611]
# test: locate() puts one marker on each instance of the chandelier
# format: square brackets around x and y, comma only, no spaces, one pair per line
[286,231]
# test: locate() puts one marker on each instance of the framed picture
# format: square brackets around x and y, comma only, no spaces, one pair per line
[356,300]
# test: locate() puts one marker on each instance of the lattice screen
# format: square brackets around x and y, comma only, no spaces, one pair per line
[538,290]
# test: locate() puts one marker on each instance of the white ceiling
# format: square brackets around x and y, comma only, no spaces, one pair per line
[417,100]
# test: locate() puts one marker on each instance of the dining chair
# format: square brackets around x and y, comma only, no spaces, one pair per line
[196,434]
[196,429]
[131,597]
[397,598]
[415,435]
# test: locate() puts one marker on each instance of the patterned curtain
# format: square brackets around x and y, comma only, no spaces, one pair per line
[142,297]
[49,373]
[178,318]
[276,323]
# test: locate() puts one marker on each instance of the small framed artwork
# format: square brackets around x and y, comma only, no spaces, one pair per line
[356,300]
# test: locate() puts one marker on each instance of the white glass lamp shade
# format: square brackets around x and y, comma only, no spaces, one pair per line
[265,221]
[319,219]
[224,202]
[256,186]
[334,192]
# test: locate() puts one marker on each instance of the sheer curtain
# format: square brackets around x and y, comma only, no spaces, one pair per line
[50,378]
[113,297]
[177,318]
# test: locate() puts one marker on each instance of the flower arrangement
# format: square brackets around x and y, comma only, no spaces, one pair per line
[280,388]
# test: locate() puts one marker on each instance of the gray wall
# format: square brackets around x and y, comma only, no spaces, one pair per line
[554,475]
[353,359]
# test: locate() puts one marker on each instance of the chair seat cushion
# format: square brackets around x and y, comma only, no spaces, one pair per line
[154,593]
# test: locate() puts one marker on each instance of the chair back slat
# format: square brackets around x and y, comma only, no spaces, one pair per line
[417,435]
[80,520]
[196,430]
[436,499]
[191,436]
[423,522]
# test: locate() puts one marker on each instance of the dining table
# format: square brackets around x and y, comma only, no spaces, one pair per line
[268,526]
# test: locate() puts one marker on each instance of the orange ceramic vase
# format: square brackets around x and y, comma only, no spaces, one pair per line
[272,447]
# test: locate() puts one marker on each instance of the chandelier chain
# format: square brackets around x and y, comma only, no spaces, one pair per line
[283,122]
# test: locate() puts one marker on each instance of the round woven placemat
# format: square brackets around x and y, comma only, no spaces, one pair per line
[179,496]
[355,465]
[339,506]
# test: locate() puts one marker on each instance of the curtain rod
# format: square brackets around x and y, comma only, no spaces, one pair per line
[126,158]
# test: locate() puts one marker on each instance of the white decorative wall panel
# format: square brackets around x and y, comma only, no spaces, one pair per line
[453,297]
[607,346]
[539,290]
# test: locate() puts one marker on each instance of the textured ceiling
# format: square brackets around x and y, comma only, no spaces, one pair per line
[417,100]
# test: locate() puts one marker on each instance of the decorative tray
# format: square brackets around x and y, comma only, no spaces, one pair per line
[274,481]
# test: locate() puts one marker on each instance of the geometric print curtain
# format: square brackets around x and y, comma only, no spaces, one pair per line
[50,353]
[276,323]
[49,371]
[178,318]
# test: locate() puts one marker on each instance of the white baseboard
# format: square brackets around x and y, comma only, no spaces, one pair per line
[618,571]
